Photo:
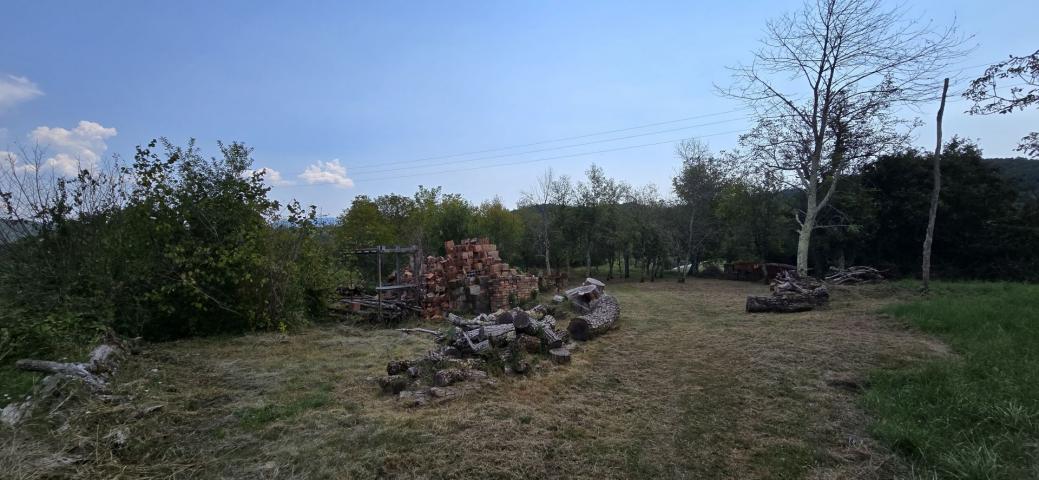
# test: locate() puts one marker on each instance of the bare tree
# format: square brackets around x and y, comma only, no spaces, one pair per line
[823,85]
[932,214]
[540,197]
[991,98]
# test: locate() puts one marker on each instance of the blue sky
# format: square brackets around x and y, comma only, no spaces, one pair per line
[322,87]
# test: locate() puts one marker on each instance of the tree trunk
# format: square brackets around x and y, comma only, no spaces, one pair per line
[627,258]
[933,212]
[588,258]
[548,256]
[604,314]
[688,247]
[804,236]
[779,304]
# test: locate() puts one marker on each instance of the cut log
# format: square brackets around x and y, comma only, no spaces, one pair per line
[549,338]
[394,383]
[529,344]
[560,355]
[598,285]
[522,322]
[448,376]
[581,297]
[787,303]
[396,367]
[603,315]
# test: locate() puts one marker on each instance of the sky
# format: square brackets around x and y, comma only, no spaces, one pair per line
[340,99]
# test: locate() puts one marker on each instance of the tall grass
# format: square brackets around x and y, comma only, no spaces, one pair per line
[973,414]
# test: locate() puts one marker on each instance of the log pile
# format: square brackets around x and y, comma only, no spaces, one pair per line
[470,348]
[471,276]
[355,301]
[790,293]
[581,297]
[854,275]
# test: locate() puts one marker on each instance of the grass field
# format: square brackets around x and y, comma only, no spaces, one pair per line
[974,415]
[688,386]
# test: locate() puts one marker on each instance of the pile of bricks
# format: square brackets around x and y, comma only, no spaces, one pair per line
[472,277]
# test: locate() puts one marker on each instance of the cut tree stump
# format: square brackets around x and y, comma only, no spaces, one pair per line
[560,355]
[604,313]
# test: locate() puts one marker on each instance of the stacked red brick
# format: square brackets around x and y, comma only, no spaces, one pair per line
[472,277]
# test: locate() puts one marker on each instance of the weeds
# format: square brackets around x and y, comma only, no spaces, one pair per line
[972,415]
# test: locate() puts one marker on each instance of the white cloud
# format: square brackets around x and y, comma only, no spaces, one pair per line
[327,173]
[271,177]
[15,90]
[74,150]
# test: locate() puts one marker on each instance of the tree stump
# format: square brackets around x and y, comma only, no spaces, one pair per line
[560,355]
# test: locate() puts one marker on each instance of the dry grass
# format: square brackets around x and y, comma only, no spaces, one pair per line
[687,387]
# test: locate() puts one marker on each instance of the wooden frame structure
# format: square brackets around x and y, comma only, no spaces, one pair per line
[378,251]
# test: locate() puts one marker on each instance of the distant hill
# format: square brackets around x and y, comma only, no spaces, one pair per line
[1022,171]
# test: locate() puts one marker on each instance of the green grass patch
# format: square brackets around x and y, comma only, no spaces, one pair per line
[15,384]
[256,417]
[974,414]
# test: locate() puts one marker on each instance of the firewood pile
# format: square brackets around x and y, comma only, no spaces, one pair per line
[599,310]
[358,302]
[854,275]
[790,293]
[469,349]
[472,276]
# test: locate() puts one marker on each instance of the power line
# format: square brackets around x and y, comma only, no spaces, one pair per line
[545,159]
[379,171]
[527,152]
[560,139]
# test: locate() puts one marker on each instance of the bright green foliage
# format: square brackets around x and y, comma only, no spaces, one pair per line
[175,245]
[975,413]
[503,226]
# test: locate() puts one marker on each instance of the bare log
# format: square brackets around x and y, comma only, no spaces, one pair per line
[522,322]
[549,337]
[788,303]
[601,287]
[604,313]
[419,330]
[581,297]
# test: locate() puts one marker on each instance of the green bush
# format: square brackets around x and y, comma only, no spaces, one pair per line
[174,245]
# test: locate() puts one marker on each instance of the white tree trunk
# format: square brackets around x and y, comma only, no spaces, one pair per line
[804,237]
[935,192]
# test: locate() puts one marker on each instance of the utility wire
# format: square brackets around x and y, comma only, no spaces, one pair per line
[545,159]
[379,171]
[527,152]
[560,139]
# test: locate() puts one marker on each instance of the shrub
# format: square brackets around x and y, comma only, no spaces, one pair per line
[171,246]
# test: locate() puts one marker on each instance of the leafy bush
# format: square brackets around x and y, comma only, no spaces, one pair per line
[174,245]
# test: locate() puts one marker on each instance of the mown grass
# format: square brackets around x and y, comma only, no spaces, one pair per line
[973,414]
[687,386]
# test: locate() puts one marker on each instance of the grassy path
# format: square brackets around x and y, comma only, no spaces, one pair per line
[688,387]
